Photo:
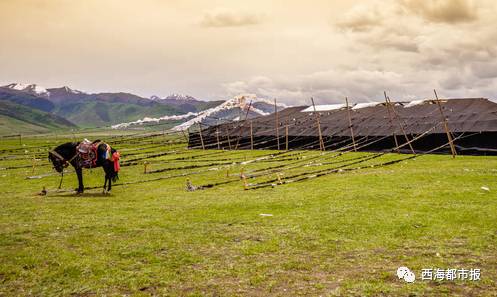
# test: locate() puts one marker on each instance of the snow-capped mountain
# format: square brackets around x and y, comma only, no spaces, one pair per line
[185,103]
[29,88]
[37,90]
[234,109]
[175,97]
[69,90]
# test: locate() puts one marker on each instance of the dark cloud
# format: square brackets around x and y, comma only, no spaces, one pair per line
[444,11]
[230,18]
[484,70]
[330,86]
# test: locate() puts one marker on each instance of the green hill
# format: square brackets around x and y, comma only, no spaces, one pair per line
[16,118]
[104,113]
[90,110]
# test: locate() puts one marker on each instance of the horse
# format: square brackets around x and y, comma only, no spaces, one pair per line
[67,153]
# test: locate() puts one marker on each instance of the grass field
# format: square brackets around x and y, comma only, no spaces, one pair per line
[342,234]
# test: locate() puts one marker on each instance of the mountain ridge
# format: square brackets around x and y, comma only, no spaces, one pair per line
[99,109]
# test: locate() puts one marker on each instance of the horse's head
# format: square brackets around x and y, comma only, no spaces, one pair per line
[62,155]
[58,164]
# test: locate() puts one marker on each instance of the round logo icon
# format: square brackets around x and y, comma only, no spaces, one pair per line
[406,274]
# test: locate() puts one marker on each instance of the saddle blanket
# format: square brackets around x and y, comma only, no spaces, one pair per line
[88,153]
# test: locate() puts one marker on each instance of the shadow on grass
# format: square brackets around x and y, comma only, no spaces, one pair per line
[82,195]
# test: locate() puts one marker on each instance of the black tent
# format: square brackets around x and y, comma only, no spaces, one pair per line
[375,126]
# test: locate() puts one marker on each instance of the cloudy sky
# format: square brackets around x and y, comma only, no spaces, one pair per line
[285,49]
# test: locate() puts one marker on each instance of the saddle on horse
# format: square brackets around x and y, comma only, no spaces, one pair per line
[88,153]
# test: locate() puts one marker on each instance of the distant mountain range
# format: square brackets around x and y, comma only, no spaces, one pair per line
[234,109]
[34,108]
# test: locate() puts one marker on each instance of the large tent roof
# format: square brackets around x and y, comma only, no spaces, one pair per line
[372,119]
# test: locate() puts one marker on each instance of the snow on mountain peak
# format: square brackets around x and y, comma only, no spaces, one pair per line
[241,101]
[32,88]
[73,91]
[177,96]
[174,96]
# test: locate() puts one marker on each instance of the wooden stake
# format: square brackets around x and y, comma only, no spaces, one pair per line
[446,126]
[245,184]
[200,133]
[391,123]
[277,124]
[400,124]
[244,179]
[321,143]
[286,134]
[145,167]
[350,123]
[251,137]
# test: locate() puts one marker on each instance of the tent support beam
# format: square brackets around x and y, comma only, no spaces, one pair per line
[391,123]
[228,134]
[251,137]
[243,126]
[277,124]
[217,137]
[286,134]
[446,126]
[200,133]
[400,123]
[321,143]
[350,123]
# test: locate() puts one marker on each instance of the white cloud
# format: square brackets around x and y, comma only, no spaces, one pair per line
[223,17]
[361,18]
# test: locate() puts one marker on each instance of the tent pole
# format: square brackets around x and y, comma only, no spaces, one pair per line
[350,123]
[277,124]
[188,131]
[446,126]
[286,134]
[400,124]
[391,123]
[184,135]
[251,137]
[228,134]
[217,137]
[201,138]
[243,126]
[321,143]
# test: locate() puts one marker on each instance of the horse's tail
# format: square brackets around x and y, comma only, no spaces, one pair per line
[115,176]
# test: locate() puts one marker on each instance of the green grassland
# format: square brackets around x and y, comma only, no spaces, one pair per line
[341,234]
[16,118]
